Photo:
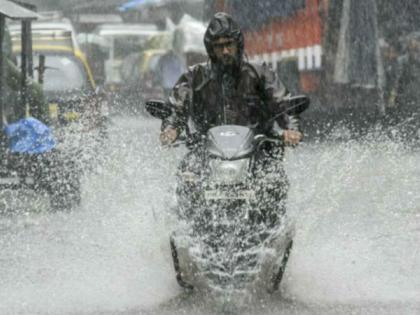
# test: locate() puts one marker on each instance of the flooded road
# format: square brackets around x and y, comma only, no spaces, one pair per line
[355,203]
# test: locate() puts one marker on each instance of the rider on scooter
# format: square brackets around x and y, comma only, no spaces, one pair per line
[229,89]
[216,92]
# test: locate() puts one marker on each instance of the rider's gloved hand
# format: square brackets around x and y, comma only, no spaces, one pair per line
[291,137]
[168,136]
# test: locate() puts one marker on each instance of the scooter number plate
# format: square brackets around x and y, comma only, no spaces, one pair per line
[229,195]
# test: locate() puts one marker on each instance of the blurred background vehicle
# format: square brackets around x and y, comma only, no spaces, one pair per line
[141,82]
[164,57]
[30,154]
[122,39]
[188,40]
[119,40]
[136,61]
[66,76]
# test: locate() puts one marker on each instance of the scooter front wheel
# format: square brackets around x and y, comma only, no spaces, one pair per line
[178,271]
[276,280]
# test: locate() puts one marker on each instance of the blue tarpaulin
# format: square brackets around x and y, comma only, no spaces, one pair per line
[29,136]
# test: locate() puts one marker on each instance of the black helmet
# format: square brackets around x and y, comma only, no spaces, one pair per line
[223,25]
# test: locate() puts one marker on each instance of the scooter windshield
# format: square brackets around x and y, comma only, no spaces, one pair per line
[230,141]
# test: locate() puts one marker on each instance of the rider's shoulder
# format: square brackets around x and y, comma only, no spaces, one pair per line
[199,68]
[257,69]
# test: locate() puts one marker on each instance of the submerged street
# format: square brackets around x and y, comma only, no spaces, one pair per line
[98,216]
[355,204]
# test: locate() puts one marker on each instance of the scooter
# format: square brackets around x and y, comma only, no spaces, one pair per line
[233,232]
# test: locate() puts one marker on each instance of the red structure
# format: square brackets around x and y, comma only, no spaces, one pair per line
[298,36]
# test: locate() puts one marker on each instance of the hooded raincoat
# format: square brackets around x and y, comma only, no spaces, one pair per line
[202,94]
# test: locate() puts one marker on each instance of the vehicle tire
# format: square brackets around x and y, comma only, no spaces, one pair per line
[178,271]
[65,196]
[276,280]
[64,185]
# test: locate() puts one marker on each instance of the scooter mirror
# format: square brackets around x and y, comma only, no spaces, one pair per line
[293,106]
[158,109]
[297,104]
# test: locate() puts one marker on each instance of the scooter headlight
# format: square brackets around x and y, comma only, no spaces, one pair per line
[229,172]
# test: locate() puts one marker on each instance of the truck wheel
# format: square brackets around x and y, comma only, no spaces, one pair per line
[64,185]
[65,196]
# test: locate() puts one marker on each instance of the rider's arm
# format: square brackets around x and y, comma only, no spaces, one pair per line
[275,92]
[180,95]
[179,98]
